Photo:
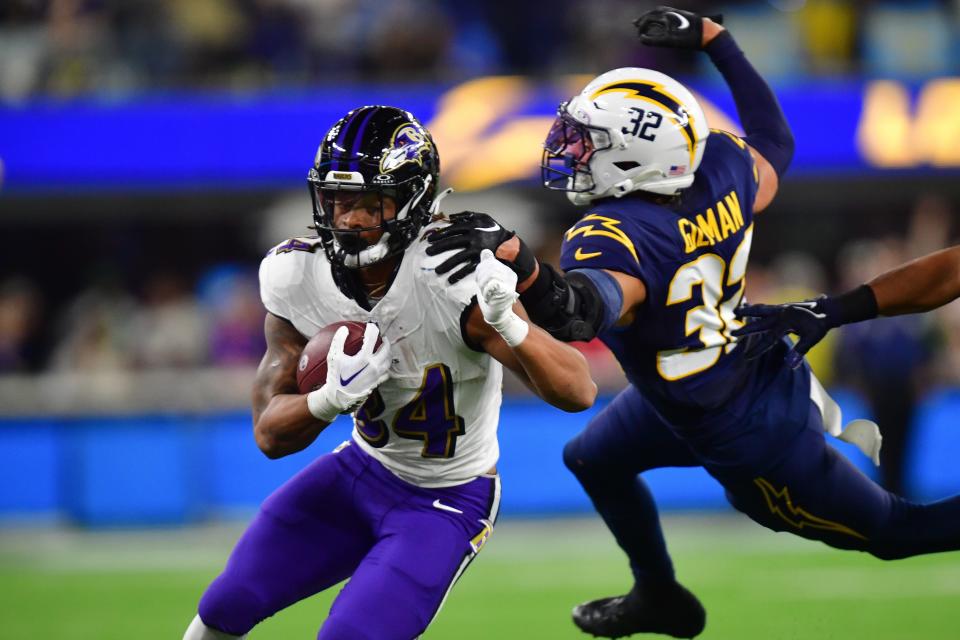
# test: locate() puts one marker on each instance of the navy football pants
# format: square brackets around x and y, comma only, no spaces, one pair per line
[810,490]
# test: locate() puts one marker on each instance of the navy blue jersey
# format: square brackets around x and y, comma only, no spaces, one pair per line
[692,256]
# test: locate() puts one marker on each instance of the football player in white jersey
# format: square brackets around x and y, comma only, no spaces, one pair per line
[403,507]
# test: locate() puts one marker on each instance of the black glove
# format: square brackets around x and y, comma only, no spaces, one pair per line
[809,320]
[470,233]
[669,27]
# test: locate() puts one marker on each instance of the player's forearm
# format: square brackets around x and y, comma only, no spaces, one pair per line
[766,128]
[921,285]
[557,372]
[286,426]
[575,306]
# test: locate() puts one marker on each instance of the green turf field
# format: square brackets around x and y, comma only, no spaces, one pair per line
[754,584]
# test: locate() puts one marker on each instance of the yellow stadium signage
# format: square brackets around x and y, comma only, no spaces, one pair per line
[895,133]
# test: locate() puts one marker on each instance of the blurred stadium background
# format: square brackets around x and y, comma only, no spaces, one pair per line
[151,152]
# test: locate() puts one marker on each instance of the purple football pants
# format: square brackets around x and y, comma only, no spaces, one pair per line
[345,516]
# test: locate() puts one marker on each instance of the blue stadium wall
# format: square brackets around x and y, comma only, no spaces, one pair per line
[172,469]
[266,140]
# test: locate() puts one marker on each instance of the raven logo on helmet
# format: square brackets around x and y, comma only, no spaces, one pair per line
[408,144]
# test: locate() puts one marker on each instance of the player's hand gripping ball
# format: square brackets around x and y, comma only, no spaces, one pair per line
[312,368]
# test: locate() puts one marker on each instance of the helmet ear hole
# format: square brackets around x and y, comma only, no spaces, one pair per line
[626,165]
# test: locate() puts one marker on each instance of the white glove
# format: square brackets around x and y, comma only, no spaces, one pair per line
[350,379]
[496,293]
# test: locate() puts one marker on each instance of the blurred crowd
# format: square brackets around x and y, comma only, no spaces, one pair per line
[169,323]
[204,328]
[165,338]
[113,47]
[170,320]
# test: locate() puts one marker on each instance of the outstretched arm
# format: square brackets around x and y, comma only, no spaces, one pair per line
[767,131]
[555,371]
[921,285]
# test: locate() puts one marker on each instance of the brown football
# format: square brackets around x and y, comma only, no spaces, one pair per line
[312,368]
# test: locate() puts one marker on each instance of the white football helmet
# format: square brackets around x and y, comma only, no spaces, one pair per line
[630,129]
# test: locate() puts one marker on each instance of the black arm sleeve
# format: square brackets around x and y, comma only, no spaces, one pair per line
[575,307]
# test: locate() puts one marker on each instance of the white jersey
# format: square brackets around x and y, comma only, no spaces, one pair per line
[434,422]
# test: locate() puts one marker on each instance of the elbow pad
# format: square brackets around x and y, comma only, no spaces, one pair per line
[573,308]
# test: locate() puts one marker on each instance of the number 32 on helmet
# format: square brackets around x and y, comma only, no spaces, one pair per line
[630,129]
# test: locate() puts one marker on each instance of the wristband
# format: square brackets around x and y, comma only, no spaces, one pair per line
[513,329]
[525,263]
[320,406]
[857,305]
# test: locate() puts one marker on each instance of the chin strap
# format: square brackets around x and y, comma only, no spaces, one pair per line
[435,207]
[368,256]
[415,200]
[636,183]
[579,199]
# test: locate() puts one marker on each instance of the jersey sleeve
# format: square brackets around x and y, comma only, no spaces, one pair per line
[730,154]
[280,275]
[602,240]
[450,302]
[462,292]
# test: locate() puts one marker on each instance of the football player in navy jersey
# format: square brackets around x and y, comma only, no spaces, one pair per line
[656,269]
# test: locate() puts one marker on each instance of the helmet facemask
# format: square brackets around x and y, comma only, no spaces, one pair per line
[348,247]
[567,151]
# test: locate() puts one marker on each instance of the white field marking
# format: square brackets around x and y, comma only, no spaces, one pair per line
[584,541]
[68,550]
[882,582]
